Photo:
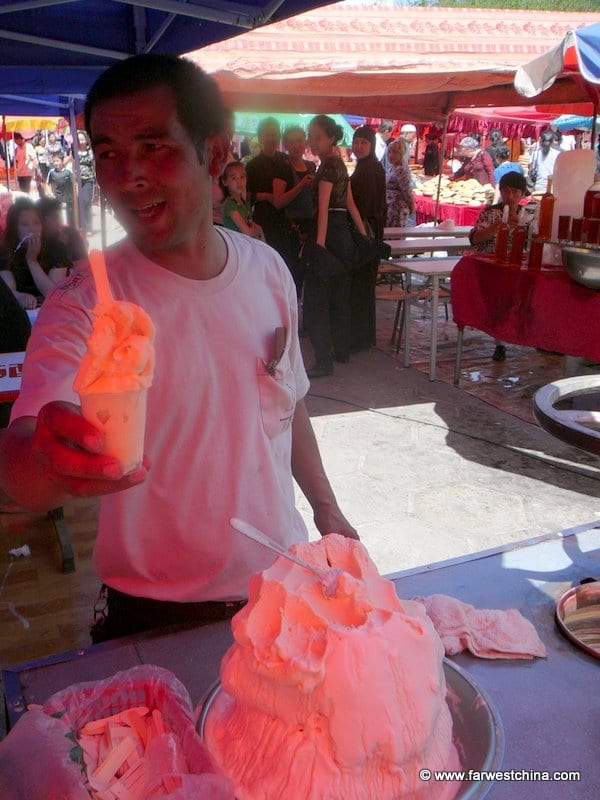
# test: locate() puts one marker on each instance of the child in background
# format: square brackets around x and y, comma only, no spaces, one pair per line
[236,210]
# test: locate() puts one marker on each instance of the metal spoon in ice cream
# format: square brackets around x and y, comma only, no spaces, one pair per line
[328,576]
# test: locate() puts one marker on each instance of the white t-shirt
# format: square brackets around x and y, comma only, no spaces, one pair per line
[545,168]
[218,431]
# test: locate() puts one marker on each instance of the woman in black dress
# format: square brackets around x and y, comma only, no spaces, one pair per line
[327,295]
[368,190]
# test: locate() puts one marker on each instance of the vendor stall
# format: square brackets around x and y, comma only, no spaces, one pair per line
[534,308]
[530,696]
[459,213]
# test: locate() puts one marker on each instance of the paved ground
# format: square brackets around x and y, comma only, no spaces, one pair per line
[428,472]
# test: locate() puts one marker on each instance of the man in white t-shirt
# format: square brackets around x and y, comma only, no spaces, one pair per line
[543,161]
[227,426]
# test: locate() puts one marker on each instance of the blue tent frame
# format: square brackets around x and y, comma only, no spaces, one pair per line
[59,47]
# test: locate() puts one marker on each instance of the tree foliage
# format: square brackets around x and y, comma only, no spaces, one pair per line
[521,5]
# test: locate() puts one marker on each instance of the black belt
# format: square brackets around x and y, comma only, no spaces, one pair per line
[169,611]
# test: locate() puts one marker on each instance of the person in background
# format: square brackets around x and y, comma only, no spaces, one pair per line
[541,165]
[34,264]
[53,228]
[262,171]
[476,163]
[245,147]
[327,299]
[25,162]
[53,148]
[408,133]
[431,159]
[236,212]
[292,190]
[369,193]
[88,181]
[382,137]
[513,188]
[399,194]
[496,141]
[43,166]
[218,196]
[505,164]
[60,185]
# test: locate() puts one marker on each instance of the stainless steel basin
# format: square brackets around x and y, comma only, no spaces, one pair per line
[583,265]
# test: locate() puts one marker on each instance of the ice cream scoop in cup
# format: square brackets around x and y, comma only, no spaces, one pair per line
[116,371]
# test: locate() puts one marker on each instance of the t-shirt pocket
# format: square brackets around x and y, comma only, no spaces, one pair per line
[277,392]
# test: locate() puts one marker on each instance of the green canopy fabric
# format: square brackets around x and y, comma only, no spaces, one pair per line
[246,123]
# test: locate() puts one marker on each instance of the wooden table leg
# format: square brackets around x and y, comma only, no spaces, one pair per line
[56,516]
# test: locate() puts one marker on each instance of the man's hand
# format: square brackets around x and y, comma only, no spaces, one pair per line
[332,520]
[70,448]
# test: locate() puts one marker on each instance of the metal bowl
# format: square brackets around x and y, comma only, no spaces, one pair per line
[477,730]
[583,265]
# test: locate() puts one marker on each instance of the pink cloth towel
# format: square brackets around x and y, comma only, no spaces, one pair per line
[486,632]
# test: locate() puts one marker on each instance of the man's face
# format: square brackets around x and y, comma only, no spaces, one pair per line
[269,139]
[546,141]
[58,163]
[410,136]
[385,135]
[149,170]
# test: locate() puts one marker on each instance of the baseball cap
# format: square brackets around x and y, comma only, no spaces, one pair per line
[408,129]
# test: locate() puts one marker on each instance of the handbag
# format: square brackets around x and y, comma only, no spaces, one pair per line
[320,262]
[367,250]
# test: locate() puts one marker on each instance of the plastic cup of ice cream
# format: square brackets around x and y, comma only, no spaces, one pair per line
[121,417]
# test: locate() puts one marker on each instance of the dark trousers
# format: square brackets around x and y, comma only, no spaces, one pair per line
[326,306]
[24,183]
[362,307]
[87,194]
[117,614]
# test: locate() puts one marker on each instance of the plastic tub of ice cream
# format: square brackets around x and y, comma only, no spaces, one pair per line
[478,733]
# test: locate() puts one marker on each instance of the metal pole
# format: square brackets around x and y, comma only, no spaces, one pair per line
[441,166]
[594,132]
[78,204]
[5,143]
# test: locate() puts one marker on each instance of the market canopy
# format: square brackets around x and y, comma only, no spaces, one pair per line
[578,53]
[59,47]
[403,62]
[514,121]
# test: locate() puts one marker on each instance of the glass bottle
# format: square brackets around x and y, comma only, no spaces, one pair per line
[591,201]
[517,246]
[501,246]
[535,254]
[546,213]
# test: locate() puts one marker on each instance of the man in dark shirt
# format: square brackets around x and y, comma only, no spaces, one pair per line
[260,171]
[60,181]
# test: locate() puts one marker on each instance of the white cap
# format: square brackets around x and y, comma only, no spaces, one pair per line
[408,129]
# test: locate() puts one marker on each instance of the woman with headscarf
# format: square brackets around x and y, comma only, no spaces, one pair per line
[368,190]
[399,193]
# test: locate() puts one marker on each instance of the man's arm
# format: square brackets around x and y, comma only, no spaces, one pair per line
[48,458]
[308,471]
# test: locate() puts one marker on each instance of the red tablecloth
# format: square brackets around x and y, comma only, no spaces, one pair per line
[462,215]
[539,309]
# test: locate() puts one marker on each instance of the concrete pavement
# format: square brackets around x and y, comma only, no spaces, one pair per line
[427,472]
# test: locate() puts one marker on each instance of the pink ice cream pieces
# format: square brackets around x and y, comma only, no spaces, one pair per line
[120,353]
[331,688]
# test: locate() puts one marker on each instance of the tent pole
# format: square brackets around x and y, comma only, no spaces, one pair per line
[77,206]
[441,166]
[5,143]
[594,135]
